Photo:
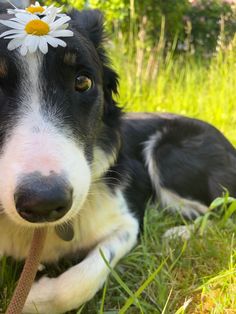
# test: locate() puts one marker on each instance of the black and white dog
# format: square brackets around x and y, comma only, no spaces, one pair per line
[71,161]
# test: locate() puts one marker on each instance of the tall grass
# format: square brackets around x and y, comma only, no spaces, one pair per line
[154,79]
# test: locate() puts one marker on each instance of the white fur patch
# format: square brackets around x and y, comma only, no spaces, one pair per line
[101,162]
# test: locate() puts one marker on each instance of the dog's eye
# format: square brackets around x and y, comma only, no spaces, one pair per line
[83,83]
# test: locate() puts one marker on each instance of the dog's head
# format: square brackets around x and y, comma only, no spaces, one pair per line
[58,124]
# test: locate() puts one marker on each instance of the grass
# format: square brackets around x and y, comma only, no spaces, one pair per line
[193,271]
[177,276]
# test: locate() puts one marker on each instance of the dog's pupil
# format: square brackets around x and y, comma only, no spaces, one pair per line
[83,83]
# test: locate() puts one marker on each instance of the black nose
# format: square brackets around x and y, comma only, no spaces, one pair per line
[43,198]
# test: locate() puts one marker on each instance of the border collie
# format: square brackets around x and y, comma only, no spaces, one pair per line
[72,162]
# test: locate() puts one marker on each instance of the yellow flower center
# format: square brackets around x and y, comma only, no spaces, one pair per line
[37,27]
[37,9]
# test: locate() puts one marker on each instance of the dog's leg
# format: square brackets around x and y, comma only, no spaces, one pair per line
[168,197]
[80,283]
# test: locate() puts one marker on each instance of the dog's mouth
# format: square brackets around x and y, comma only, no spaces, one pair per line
[42,215]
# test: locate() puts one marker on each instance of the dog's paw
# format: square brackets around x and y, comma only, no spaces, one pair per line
[182,232]
[191,210]
[42,298]
[70,290]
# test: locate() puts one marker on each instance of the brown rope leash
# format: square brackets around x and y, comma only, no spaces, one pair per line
[28,273]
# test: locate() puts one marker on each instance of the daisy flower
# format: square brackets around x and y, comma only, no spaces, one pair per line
[29,33]
[36,9]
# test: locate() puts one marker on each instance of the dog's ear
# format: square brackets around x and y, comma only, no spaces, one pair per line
[89,23]
[110,86]
[110,82]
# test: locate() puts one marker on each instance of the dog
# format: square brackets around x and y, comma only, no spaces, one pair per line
[73,162]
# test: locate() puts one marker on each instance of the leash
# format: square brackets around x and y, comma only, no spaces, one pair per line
[28,273]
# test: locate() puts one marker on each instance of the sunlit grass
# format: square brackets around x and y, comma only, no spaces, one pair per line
[184,85]
[194,276]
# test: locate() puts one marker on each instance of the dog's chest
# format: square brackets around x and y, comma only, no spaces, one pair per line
[102,214]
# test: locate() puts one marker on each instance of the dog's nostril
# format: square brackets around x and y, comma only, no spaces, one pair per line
[59,209]
[43,199]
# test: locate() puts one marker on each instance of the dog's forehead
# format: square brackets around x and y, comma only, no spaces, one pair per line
[80,50]
[77,53]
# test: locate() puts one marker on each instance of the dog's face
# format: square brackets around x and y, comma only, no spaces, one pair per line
[58,125]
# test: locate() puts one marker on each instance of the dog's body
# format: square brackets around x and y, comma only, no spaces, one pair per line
[72,152]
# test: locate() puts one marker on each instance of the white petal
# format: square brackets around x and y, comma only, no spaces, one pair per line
[59,22]
[16,36]
[61,42]
[64,26]
[51,7]
[61,15]
[30,40]
[14,43]
[49,18]
[61,33]
[26,17]
[43,46]
[46,12]
[55,41]
[23,50]
[52,41]
[34,44]
[14,11]
[18,21]
[10,32]
[12,24]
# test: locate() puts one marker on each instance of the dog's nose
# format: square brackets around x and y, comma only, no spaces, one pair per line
[43,198]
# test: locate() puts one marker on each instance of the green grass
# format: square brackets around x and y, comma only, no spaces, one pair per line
[200,270]
[176,276]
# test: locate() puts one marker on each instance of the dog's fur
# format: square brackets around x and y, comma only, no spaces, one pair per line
[114,163]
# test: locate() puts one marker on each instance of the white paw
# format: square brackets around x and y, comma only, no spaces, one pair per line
[42,297]
[183,232]
[68,291]
[192,210]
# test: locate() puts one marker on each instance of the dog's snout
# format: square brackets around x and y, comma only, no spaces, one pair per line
[43,198]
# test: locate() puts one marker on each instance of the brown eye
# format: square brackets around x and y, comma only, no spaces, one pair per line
[82,83]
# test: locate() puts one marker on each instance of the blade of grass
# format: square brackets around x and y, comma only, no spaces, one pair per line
[147,282]
[103,297]
[119,280]
[167,301]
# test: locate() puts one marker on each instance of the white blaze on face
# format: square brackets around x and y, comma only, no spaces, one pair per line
[35,144]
